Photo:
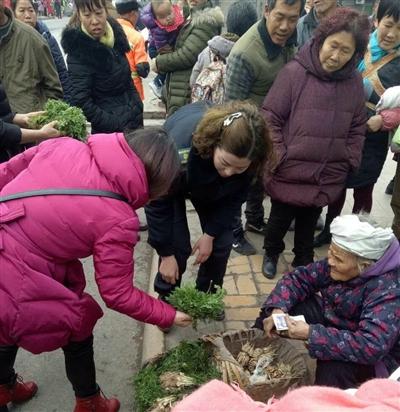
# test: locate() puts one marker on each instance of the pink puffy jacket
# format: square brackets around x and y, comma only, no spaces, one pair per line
[43,305]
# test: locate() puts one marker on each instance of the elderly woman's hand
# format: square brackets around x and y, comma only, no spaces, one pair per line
[297,329]
[269,324]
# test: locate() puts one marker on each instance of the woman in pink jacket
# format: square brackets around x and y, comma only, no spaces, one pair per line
[43,305]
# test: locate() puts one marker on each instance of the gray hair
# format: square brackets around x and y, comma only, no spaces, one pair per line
[272,3]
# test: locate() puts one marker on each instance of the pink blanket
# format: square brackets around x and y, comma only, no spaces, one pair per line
[377,395]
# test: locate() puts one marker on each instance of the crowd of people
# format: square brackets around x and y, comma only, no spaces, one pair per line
[298,105]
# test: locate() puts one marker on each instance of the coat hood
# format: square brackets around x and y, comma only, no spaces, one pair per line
[308,57]
[207,15]
[93,53]
[121,166]
[388,262]
[221,46]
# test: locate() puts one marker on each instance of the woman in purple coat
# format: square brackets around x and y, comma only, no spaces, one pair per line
[316,111]
[351,305]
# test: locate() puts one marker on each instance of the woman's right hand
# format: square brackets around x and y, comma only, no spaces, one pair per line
[269,324]
[182,319]
[169,269]
[48,131]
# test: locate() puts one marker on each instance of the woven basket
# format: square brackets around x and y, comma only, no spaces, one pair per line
[227,346]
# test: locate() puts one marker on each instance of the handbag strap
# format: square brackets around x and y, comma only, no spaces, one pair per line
[371,70]
[58,192]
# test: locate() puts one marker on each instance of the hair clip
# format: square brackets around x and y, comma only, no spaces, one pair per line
[228,121]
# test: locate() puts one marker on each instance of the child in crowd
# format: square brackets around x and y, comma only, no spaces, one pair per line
[164,20]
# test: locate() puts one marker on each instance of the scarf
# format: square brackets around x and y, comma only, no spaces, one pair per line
[107,39]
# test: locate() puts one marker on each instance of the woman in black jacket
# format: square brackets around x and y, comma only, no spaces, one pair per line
[222,149]
[99,71]
[14,132]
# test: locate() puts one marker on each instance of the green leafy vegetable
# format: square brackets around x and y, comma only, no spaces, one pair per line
[197,304]
[193,359]
[70,120]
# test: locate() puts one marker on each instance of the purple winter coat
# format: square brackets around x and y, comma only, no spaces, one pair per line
[318,123]
[362,315]
[159,36]
[43,305]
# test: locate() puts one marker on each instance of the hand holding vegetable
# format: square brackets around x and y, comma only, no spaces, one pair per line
[48,131]
[23,120]
[182,319]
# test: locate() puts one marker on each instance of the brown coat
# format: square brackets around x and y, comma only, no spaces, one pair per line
[27,68]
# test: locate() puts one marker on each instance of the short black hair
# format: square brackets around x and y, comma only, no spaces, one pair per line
[272,3]
[388,8]
[240,17]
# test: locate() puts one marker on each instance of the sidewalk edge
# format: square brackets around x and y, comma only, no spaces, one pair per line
[153,339]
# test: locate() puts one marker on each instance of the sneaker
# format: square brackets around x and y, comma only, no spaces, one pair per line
[389,187]
[260,228]
[155,89]
[243,247]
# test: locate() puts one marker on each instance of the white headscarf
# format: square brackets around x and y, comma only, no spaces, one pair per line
[360,238]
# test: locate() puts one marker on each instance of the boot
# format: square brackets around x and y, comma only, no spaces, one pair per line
[323,238]
[97,403]
[269,266]
[17,392]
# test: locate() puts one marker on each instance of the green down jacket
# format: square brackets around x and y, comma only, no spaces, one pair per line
[203,24]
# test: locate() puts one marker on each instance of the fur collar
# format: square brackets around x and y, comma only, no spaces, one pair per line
[209,15]
[92,52]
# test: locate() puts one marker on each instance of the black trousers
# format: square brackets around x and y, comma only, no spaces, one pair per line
[280,217]
[79,366]
[254,208]
[211,272]
[338,374]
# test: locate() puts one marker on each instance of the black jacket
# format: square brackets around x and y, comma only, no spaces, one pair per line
[376,144]
[10,134]
[101,80]
[218,198]
[57,57]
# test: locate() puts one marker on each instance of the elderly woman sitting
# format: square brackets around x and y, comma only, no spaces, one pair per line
[351,303]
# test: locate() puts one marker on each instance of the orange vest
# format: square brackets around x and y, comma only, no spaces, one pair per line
[136,55]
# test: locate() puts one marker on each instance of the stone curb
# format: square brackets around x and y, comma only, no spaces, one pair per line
[153,339]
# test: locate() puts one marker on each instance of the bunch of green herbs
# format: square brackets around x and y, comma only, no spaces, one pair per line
[197,304]
[191,358]
[70,119]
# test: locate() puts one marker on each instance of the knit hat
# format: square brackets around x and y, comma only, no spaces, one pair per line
[125,6]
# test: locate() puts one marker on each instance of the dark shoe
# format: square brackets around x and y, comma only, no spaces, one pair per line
[17,392]
[323,238]
[220,316]
[97,403]
[243,246]
[259,228]
[389,187]
[269,266]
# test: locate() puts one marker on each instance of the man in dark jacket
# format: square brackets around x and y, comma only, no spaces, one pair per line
[252,67]
[308,23]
